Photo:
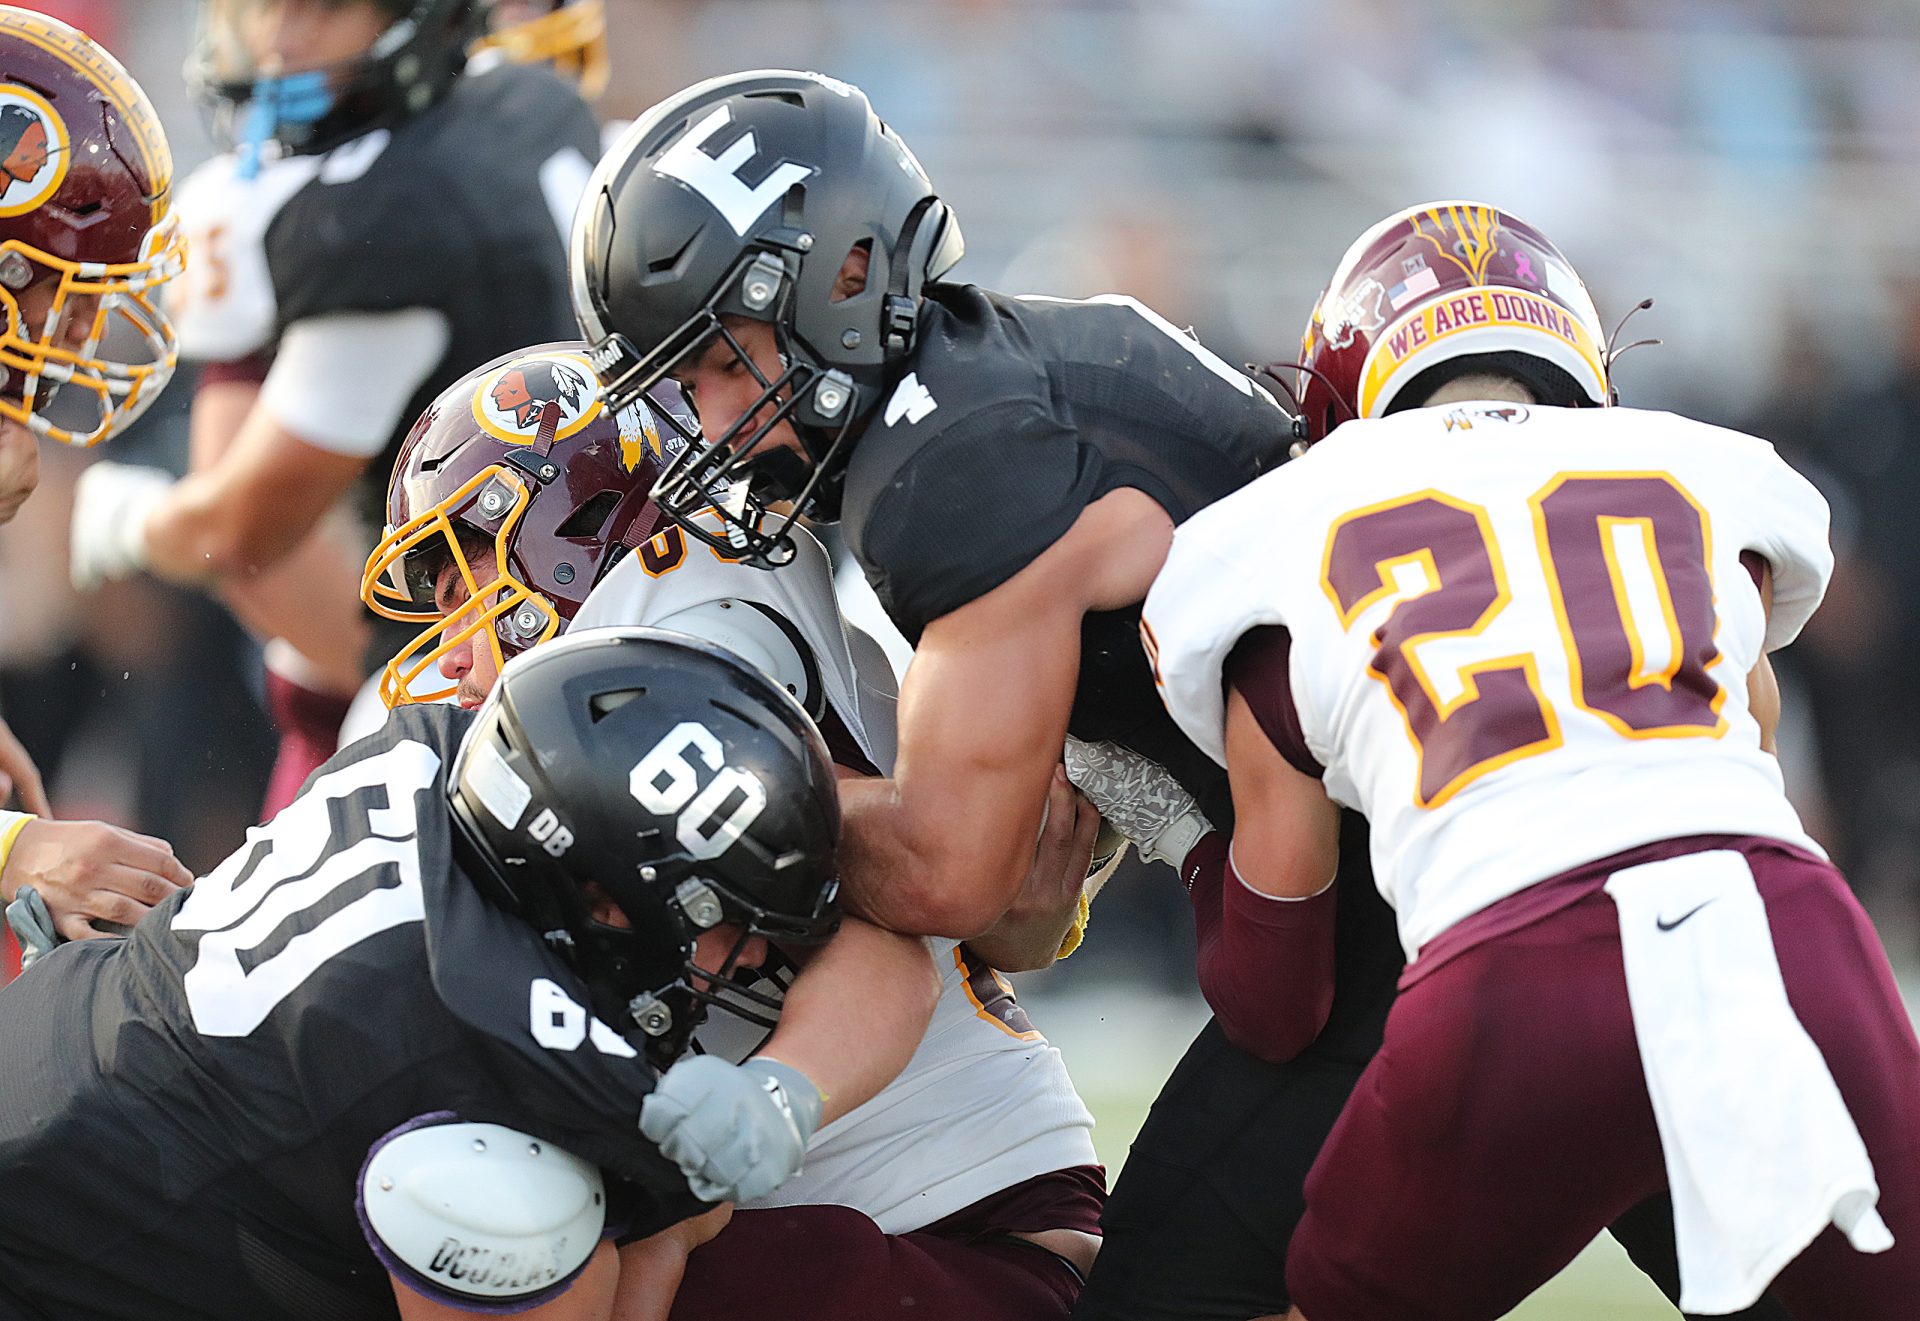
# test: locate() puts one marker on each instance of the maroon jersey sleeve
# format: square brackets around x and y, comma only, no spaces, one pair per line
[1258,670]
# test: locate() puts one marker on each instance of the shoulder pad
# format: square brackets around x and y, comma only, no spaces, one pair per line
[478,1213]
[759,637]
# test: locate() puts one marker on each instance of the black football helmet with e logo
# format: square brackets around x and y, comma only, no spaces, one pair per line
[742,196]
[666,775]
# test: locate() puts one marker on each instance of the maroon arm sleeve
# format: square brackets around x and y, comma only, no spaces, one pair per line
[1265,965]
[252,369]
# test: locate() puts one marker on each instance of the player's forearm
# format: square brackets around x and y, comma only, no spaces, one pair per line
[1265,965]
[892,979]
[650,1273]
[1026,940]
[202,533]
[1034,930]
[311,598]
[948,881]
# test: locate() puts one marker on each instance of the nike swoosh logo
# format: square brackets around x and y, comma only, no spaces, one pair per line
[1665,925]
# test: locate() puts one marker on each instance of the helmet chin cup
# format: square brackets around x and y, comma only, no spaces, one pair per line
[779,474]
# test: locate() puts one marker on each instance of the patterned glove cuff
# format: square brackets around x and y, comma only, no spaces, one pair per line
[1172,844]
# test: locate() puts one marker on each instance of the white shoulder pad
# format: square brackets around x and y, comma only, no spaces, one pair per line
[480,1213]
[751,635]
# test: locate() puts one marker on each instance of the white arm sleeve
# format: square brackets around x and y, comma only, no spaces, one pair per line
[1794,519]
[342,381]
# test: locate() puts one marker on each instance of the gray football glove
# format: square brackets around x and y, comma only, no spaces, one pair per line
[32,925]
[737,1131]
[1139,797]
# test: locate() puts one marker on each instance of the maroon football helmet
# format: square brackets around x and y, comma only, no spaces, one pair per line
[1438,283]
[87,235]
[519,476]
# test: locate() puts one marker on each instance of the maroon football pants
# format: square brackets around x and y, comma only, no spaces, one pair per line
[308,722]
[831,1263]
[1505,1121]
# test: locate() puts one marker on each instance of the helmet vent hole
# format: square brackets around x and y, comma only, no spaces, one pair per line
[736,713]
[602,705]
[669,265]
[776,94]
[588,520]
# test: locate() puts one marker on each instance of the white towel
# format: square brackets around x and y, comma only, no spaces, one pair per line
[1761,1153]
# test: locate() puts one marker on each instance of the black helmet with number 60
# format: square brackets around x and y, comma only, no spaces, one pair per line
[662,773]
[743,196]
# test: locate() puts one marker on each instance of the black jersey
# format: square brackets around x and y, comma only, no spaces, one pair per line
[461,209]
[1013,416]
[184,1113]
[1017,413]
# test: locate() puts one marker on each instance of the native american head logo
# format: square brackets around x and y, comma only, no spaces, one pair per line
[553,393]
[34,150]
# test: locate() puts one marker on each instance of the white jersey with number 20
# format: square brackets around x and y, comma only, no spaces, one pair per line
[1520,635]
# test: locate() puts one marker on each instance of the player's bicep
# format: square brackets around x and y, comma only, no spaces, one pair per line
[1286,834]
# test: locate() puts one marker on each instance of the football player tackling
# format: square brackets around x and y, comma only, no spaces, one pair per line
[970,1183]
[1526,634]
[336,1076]
[1009,472]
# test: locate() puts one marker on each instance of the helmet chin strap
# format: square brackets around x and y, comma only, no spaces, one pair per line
[296,98]
[780,472]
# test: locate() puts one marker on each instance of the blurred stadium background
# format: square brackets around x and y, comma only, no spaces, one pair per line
[1752,165]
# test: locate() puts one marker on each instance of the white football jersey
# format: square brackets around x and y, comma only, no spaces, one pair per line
[1520,635]
[224,307]
[986,1102]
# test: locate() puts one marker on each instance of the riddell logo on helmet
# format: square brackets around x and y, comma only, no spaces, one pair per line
[34,150]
